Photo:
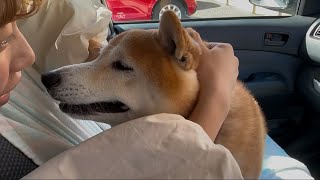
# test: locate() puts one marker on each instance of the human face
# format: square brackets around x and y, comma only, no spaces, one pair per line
[15,55]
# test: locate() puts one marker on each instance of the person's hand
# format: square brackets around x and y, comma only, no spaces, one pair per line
[218,67]
[94,49]
[217,73]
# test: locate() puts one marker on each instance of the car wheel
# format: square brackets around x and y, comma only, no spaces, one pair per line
[168,5]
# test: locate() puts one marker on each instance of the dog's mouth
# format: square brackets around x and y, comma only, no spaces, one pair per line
[90,109]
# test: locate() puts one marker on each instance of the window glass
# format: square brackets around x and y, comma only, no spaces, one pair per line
[144,10]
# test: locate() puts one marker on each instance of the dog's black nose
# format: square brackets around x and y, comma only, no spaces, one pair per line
[50,80]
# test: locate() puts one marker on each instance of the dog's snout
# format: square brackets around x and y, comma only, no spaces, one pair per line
[51,79]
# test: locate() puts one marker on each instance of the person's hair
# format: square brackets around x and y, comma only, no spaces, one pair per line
[11,10]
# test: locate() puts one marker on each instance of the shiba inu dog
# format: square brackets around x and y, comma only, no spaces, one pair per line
[145,72]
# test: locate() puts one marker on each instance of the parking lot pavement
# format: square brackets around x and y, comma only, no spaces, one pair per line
[230,8]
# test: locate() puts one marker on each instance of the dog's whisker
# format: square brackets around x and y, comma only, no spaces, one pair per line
[81,113]
[69,108]
[54,96]
[100,105]
[92,110]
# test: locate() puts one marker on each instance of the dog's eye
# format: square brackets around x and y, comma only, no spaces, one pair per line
[183,59]
[118,65]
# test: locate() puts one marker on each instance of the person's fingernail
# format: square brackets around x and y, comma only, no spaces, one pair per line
[212,45]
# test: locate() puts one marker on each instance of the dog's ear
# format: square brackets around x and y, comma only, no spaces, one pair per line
[94,50]
[175,39]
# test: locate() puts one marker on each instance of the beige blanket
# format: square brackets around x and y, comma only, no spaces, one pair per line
[162,146]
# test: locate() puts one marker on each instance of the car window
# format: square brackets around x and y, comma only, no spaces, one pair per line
[145,10]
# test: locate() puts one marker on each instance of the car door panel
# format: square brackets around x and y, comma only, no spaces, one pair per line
[244,33]
[271,79]
[308,86]
[305,144]
[309,77]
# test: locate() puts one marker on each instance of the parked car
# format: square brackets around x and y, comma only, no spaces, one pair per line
[130,10]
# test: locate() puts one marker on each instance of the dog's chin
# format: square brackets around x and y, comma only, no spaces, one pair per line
[83,110]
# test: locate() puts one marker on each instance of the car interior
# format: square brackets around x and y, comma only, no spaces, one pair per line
[279,63]
[279,60]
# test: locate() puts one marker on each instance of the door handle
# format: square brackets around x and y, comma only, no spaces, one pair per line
[275,39]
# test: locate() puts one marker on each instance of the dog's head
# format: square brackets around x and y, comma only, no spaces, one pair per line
[139,73]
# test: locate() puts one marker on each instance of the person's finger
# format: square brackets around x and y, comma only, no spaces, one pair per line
[225,47]
[211,45]
[196,37]
[236,61]
[236,66]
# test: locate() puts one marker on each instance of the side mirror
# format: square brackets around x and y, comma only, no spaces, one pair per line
[271,4]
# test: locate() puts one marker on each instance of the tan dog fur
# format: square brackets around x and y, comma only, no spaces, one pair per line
[163,80]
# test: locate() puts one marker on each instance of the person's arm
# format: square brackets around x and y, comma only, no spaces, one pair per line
[210,111]
[217,74]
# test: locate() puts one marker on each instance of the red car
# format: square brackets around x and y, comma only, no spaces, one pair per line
[130,10]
